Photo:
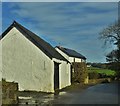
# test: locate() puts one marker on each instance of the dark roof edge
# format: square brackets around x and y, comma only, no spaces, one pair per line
[69,54]
[14,24]
[17,26]
[7,30]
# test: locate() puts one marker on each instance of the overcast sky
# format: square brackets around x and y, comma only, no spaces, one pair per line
[74,25]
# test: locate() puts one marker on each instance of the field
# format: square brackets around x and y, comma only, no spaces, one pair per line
[99,70]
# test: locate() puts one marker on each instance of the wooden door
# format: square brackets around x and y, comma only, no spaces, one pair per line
[56,76]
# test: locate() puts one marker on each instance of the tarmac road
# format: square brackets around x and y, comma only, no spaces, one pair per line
[99,94]
[106,93]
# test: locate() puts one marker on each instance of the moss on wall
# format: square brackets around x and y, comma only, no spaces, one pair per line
[9,92]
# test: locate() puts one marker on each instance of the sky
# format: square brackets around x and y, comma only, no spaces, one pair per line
[74,25]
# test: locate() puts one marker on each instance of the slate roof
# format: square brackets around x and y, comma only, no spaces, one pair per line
[71,53]
[40,43]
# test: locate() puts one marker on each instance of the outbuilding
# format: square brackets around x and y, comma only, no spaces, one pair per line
[70,55]
[32,62]
[78,64]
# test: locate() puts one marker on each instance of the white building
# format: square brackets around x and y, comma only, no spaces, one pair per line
[31,62]
[70,55]
[73,57]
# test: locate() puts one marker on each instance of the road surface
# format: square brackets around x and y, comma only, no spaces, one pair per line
[99,94]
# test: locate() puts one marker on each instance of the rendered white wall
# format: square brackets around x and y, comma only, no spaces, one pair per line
[24,63]
[62,53]
[64,73]
[71,59]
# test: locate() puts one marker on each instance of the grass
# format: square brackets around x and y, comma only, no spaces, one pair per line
[103,71]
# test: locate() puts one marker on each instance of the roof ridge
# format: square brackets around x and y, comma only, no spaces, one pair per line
[71,52]
[20,26]
[36,40]
[65,48]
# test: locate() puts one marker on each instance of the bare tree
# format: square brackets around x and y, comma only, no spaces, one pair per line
[111,34]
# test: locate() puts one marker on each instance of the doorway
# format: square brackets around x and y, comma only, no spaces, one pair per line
[56,76]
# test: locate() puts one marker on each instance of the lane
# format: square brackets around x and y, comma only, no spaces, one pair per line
[98,94]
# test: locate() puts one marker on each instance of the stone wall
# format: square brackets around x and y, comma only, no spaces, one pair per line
[100,80]
[9,92]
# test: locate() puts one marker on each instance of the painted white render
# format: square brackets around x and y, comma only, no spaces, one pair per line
[63,54]
[25,63]
[74,59]
[63,51]
[64,73]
